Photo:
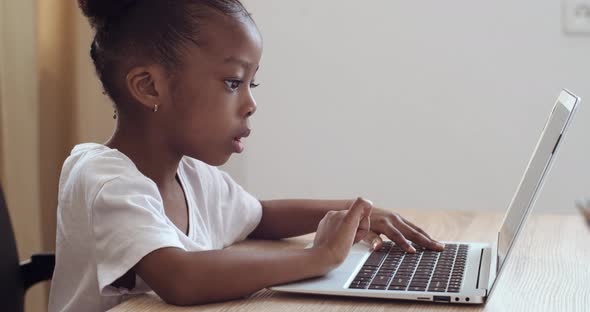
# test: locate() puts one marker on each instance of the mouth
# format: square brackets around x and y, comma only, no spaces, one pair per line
[244,134]
[237,142]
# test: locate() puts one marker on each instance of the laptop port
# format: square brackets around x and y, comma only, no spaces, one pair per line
[441,299]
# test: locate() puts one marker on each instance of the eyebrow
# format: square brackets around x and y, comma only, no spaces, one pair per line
[232,59]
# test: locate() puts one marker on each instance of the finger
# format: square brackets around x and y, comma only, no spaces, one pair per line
[360,235]
[418,238]
[374,240]
[398,238]
[365,223]
[363,229]
[359,208]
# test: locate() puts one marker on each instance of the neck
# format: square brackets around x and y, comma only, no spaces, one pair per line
[148,149]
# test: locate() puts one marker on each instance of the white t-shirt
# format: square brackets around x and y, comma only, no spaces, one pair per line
[110,216]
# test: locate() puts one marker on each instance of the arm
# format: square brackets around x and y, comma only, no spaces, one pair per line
[185,278]
[293,217]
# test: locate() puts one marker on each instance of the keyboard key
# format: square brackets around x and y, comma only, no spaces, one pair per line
[400,282]
[373,262]
[385,269]
[438,284]
[424,269]
[402,276]
[412,288]
[415,284]
[374,259]
[389,267]
[381,280]
[363,278]
[365,274]
[358,285]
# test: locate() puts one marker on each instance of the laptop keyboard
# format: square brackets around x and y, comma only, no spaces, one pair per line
[391,268]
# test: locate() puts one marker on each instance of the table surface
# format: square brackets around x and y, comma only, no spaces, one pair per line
[548,270]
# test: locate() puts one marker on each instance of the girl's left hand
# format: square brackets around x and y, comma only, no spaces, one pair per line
[399,230]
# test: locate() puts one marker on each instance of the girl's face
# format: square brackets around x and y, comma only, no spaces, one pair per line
[211,95]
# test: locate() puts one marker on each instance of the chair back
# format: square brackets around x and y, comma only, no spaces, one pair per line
[12,290]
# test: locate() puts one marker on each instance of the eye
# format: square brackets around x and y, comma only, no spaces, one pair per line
[254,85]
[233,85]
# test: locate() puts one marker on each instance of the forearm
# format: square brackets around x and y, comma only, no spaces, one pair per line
[210,276]
[293,217]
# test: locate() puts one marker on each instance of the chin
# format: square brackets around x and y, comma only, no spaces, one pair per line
[210,157]
[216,161]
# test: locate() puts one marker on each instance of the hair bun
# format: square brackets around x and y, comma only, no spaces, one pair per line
[100,11]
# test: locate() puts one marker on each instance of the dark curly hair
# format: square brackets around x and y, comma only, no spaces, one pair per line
[146,30]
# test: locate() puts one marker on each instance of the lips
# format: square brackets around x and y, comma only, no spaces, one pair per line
[243,134]
[237,142]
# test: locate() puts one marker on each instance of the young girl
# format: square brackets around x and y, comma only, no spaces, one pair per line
[148,210]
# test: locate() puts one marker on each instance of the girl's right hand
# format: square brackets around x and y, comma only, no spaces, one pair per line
[338,230]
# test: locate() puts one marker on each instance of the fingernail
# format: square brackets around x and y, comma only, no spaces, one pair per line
[439,244]
[374,243]
[410,247]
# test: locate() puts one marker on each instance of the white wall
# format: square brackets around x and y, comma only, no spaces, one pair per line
[419,104]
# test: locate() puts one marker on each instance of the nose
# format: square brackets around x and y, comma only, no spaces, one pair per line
[249,105]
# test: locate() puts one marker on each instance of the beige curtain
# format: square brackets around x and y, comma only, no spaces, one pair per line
[50,100]
[20,129]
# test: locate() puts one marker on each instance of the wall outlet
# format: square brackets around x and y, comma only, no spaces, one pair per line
[576,16]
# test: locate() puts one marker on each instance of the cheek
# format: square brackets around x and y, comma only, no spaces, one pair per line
[202,110]
[185,100]
[212,109]
[188,105]
[200,117]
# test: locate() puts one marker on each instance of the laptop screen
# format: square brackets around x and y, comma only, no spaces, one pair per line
[532,180]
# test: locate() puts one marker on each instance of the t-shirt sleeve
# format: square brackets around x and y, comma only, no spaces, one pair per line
[128,222]
[242,212]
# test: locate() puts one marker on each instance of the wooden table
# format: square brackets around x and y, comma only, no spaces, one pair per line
[548,271]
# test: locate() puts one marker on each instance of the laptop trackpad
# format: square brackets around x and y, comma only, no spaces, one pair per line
[336,278]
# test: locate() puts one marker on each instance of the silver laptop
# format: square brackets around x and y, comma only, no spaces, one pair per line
[462,273]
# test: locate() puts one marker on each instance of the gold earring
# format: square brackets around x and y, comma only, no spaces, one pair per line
[155,108]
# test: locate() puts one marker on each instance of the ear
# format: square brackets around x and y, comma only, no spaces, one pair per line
[148,85]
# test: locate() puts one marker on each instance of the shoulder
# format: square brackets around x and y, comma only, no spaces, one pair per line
[98,163]
[90,166]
